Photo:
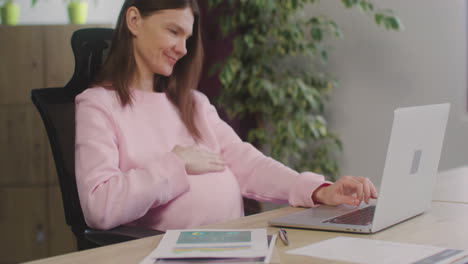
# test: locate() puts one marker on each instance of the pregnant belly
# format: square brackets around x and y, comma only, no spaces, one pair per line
[213,197]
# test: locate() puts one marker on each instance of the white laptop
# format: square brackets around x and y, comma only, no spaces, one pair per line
[407,182]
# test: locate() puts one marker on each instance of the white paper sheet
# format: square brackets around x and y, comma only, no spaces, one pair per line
[211,243]
[370,251]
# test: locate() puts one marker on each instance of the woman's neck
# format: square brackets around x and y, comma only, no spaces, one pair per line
[144,82]
[144,78]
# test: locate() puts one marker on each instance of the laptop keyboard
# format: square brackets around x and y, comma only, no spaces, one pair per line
[362,216]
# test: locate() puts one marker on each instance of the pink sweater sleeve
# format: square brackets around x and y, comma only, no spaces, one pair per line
[110,197]
[261,178]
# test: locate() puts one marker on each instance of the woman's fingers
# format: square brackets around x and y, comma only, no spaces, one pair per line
[217,159]
[212,158]
[373,191]
[360,187]
[216,167]
[213,165]
[209,161]
[369,190]
[356,188]
[365,187]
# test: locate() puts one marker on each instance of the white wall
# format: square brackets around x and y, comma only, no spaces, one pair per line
[379,71]
[55,12]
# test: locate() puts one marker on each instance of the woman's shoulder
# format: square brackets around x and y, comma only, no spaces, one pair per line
[200,97]
[97,94]
[202,102]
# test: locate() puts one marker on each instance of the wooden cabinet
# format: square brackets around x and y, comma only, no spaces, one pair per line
[23,146]
[23,223]
[32,221]
[21,66]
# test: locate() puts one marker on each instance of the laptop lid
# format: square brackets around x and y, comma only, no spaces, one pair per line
[408,178]
[411,164]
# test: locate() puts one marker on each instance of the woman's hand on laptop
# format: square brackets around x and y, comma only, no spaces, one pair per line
[350,190]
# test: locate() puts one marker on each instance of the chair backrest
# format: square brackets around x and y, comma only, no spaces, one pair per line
[57,109]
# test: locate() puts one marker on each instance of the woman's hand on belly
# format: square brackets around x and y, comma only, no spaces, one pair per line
[198,160]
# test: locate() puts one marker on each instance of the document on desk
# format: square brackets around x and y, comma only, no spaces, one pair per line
[210,244]
[360,250]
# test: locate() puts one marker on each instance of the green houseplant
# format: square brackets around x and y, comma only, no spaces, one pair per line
[10,12]
[77,12]
[261,79]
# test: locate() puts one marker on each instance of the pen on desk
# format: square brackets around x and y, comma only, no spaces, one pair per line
[283,236]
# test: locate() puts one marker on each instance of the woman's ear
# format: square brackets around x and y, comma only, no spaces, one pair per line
[133,20]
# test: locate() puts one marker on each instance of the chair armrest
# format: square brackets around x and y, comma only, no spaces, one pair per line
[119,234]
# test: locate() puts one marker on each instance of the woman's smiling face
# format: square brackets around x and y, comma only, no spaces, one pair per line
[160,40]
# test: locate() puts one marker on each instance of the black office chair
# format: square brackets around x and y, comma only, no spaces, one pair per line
[57,109]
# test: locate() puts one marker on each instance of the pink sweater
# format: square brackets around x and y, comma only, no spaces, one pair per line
[127,174]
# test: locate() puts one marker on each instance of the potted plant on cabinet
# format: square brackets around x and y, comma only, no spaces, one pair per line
[261,78]
[10,13]
[77,11]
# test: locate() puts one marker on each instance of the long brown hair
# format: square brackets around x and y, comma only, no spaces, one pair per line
[119,68]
